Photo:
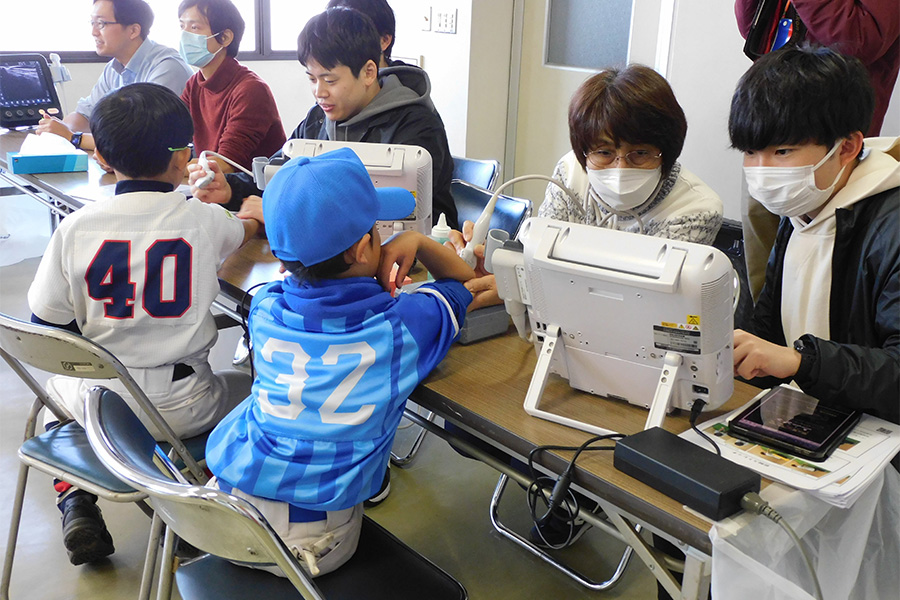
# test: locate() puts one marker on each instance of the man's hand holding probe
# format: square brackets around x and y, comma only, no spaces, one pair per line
[217,191]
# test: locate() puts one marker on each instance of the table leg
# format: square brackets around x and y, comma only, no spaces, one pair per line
[697,572]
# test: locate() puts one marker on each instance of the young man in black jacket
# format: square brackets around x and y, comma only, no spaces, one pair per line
[828,316]
[355,102]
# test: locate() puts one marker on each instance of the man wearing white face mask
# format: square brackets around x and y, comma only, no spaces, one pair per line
[233,110]
[828,316]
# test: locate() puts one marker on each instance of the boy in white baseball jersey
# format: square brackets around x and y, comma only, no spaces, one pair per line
[137,274]
[336,355]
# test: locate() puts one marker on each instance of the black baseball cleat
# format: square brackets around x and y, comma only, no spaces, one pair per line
[84,532]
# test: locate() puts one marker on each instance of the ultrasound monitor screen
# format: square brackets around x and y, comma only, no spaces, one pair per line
[22,84]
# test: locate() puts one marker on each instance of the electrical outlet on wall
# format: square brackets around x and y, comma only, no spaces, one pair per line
[445,21]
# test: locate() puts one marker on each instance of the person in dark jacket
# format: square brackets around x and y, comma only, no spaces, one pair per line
[866,29]
[355,102]
[828,316]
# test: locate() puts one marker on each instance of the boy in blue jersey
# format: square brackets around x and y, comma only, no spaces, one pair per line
[336,356]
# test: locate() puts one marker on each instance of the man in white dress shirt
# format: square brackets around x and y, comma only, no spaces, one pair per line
[120,29]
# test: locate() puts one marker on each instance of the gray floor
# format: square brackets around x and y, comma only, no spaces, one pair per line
[438,505]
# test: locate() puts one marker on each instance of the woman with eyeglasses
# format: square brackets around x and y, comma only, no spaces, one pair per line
[627,131]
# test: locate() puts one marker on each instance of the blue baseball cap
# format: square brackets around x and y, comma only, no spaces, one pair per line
[317,207]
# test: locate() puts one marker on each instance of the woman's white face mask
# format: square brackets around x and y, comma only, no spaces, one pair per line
[790,191]
[624,189]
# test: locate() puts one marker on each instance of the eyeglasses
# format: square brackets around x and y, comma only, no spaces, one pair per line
[636,158]
[189,146]
[101,24]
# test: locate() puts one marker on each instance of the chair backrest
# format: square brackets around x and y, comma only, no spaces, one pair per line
[509,212]
[57,351]
[207,518]
[62,352]
[483,173]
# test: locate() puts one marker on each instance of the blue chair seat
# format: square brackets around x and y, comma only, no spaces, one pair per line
[67,448]
[196,447]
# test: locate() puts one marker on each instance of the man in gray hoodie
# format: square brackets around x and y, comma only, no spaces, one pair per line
[355,102]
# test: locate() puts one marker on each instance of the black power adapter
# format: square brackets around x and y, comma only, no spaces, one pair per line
[709,484]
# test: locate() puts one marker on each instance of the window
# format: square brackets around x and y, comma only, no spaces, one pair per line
[287,20]
[271,29]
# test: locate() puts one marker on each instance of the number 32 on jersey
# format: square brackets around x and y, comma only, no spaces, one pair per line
[297,378]
[167,279]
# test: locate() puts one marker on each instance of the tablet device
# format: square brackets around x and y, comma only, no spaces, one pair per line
[787,419]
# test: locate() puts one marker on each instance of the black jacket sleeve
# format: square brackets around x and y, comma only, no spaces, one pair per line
[859,366]
[867,379]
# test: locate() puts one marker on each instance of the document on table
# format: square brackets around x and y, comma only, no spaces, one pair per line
[838,480]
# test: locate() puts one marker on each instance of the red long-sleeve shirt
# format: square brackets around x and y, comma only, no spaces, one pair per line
[866,29]
[234,114]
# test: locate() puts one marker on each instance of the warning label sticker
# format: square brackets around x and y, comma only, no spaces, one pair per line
[677,338]
[77,367]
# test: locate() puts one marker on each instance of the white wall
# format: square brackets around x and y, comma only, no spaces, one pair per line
[542,135]
[489,72]
[444,56]
[703,71]
[468,70]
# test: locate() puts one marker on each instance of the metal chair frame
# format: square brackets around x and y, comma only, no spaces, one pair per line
[224,525]
[57,351]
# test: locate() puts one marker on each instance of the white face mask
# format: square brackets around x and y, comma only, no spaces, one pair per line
[624,189]
[790,191]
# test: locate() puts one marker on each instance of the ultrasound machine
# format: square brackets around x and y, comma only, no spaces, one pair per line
[26,88]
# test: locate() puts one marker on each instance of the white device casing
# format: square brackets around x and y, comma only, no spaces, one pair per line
[389,165]
[622,301]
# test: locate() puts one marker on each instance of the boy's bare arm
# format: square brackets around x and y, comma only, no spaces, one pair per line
[404,248]
[251,227]
[442,262]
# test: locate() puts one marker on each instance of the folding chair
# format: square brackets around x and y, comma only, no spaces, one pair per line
[231,529]
[509,214]
[64,452]
[483,173]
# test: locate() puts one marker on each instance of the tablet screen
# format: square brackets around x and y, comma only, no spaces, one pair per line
[790,416]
